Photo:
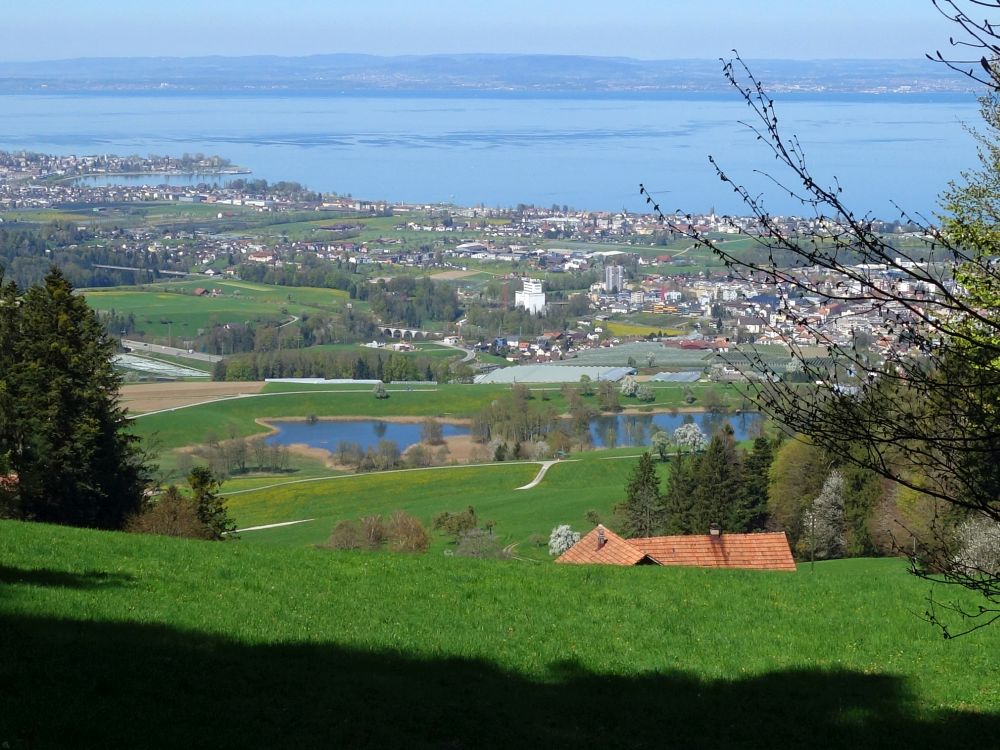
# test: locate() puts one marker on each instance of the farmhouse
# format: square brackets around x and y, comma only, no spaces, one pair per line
[764,551]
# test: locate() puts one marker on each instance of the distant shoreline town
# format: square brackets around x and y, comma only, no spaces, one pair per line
[34,181]
[470,74]
[639,264]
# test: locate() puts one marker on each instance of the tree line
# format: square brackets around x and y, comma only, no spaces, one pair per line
[369,364]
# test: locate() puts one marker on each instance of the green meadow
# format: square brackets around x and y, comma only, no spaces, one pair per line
[525,517]
[112,640]
[172,309]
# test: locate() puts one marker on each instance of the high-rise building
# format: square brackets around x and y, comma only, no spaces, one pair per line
[531,297]
[614,279]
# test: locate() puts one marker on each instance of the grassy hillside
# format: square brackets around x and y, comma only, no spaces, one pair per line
[566,493]
[154,305]
[111,640]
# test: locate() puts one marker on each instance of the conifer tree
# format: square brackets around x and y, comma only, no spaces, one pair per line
[718,496]
[63,431]
[755,473]
[678,499]
[209,505]
[643,509]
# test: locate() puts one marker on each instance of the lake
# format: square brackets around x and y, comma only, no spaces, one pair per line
[589,152]
[366,432]
[615,430]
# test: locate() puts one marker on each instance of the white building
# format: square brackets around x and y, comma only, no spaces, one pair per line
[531,297]
[614,279]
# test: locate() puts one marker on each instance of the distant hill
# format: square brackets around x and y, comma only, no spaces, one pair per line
[467,73]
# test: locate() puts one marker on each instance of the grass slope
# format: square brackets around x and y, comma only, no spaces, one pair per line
[111,640]
[566,493]
[240,301]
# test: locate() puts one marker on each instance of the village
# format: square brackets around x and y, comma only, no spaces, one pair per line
[649,270]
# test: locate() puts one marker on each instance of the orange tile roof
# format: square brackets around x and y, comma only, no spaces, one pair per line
[614,551]
[765,551]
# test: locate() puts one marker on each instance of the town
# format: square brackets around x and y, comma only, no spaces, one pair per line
[591,267]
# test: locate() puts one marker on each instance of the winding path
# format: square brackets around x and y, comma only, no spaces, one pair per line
[541,473]
[273,525]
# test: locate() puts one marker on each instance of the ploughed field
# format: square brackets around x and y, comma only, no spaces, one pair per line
[112,640]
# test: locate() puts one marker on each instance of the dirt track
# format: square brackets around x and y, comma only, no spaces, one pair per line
[145,397]
[452,275]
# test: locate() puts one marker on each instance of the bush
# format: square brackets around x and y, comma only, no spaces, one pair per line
[406,534]
[373,532]
[417,456]
[480,544]
[455,524]
[345,535]
[431,432]
[171,514]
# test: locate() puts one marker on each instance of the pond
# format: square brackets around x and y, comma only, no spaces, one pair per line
[611,431]
[365,432]
[626,430]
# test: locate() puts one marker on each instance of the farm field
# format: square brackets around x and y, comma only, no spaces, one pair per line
[143,397]
[172,309]
[183,639]
[618,328]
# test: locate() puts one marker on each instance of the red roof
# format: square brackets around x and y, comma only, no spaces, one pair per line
[764,551]
[613,551]
[8,482]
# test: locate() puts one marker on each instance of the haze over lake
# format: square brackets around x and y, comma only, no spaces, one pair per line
[585,151]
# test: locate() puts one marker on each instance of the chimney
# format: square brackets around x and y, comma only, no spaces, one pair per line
[715,531]
[601,539]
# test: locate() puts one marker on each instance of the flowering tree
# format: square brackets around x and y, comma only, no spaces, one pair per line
[689,438]
[629,386]
[824,522]
[978,542]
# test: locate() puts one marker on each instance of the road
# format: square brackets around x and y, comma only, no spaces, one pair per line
[470,354]
[141,346]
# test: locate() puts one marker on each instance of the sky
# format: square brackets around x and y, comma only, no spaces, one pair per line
[650,29]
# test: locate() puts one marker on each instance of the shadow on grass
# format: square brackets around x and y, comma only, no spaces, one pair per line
[81,684]
[90,579]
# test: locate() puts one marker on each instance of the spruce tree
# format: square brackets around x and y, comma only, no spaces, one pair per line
[209,505]
[755,472]
[64,431]
[643,509]
[718,496]
[678,499]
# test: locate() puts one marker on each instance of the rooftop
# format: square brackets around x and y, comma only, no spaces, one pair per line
[761,551]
